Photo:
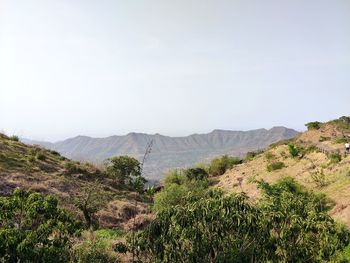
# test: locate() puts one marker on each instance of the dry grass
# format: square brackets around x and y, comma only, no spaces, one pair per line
[337,175]
[50,174]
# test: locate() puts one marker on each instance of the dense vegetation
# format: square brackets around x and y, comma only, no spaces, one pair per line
[191,220]
[282,227]
[34,229]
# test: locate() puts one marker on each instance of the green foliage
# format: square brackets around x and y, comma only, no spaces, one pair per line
[315,125]
[40,155]
[293,150]
[319,178]
[220,165]
[275,166]
[55,153]
[341,140]
[282,227]
[34,229]
[174,176]
[14,138]
[126,170]
[346,254]
[334,158]
[95,249]
[251,155]
[177,186]
[90,200]
[171,195]
[296,219]
[196,174]
[72,167]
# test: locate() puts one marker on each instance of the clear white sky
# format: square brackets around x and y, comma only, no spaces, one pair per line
[98,68]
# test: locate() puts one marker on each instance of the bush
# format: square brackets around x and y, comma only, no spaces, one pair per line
[269,156]
[31,158]
[95,251]
[55,153]
[34,229]
[315,125]
[319,178]
[40,156]
[196,174]
[293,150]
[251,155]
[282,227]
[334,158]
[275,166]
[220,165]
[174,176]
[170,196]
[14,138]
[72,167]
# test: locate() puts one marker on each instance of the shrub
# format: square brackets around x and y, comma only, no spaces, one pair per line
[281,227]
[220,165]
[275,166]
[334,158]
[95,250]
[341,140]
[55,153]
[315,125]
[269,156]
[31,158]
[170,196]
[174,176]
[196,174]
[40,156]
[72,167]
[293,150]
[14,138]
[34,229]
[319,178]
[251,155]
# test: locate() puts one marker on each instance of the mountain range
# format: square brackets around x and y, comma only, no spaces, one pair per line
[168,152]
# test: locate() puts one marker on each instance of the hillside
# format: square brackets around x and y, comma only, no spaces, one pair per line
[321,165]
[45,171]
[169,152]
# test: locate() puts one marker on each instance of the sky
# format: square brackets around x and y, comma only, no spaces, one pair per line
[109,67]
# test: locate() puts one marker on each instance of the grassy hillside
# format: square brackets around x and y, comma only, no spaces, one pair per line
[45,171]
[319,163]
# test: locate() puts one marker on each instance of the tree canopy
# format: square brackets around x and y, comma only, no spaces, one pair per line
[288,224]
[34,229]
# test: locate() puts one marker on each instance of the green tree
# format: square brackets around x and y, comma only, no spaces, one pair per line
[90,199]
[126,170]
[34,229]
[288,224]
[296,219]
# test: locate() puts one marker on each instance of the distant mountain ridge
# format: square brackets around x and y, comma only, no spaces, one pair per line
[168,152]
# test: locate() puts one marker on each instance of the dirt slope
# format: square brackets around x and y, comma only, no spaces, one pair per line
[313,167]
[45,171]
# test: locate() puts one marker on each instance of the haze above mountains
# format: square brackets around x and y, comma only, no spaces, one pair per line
[168,152]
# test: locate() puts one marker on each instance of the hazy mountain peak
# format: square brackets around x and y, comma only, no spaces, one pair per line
[169,152]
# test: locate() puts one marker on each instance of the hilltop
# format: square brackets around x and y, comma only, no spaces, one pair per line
[47,172]
[168,152]
[319,164]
